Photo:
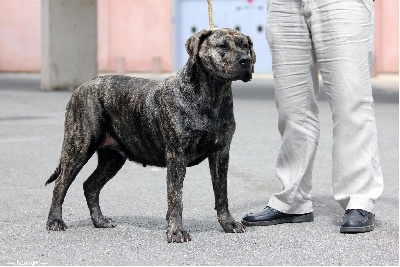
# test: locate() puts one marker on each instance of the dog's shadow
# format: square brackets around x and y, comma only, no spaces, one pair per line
[193,225]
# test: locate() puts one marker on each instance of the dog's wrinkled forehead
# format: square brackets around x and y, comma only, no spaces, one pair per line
[220,36]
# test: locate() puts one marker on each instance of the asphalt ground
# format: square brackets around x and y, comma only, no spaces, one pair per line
[31,135]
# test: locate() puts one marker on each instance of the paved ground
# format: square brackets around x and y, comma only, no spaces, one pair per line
[31,132]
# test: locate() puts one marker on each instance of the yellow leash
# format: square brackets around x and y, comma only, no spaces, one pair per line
[210,14]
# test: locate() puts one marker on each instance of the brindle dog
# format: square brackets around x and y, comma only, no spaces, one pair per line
[176,123]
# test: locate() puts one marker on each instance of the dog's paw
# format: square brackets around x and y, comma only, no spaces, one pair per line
[56,225]
[178,236]
[103,222]
[233,227]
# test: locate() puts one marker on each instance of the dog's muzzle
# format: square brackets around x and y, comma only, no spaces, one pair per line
[245,64]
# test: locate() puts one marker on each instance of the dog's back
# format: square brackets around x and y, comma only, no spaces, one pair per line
[113,102]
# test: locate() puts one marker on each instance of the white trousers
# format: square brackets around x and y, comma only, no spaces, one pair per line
[335,37]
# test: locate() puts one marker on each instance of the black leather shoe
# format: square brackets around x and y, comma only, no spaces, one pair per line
[357,221]
[270,216]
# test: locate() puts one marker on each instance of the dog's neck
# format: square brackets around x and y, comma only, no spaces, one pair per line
[198,81]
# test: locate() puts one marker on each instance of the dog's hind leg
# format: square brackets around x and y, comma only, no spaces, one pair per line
[70,168]
[110,162]
[79,144]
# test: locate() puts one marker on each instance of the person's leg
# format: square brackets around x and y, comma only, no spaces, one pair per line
[296,90]
[343,32]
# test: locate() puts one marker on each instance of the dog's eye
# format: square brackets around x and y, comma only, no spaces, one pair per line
[223,46]
[245,46]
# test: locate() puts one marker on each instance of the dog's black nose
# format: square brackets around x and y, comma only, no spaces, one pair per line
[244,60]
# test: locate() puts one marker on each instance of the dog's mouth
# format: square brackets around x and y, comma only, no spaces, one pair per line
[239,73]
[247,76]
[244,74]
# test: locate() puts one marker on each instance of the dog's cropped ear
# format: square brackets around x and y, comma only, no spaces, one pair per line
[252,53]
[194,42]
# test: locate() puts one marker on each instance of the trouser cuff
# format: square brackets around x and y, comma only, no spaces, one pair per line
[298,208]
[361,203]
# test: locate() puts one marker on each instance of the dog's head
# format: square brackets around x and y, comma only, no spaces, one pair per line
[225,54]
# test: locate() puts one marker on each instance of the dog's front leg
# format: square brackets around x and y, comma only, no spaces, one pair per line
[176,170]
[218,163]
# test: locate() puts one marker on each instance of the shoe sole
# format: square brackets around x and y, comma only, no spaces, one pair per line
[295,219]
[355,230]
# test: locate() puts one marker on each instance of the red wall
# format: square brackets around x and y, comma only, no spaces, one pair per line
[140,34]
[20,35]
[387,36]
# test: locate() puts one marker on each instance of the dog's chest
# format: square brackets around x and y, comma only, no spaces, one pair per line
[196,119]
[208,130]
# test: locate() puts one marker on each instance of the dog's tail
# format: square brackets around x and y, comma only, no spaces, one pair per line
[55,175]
